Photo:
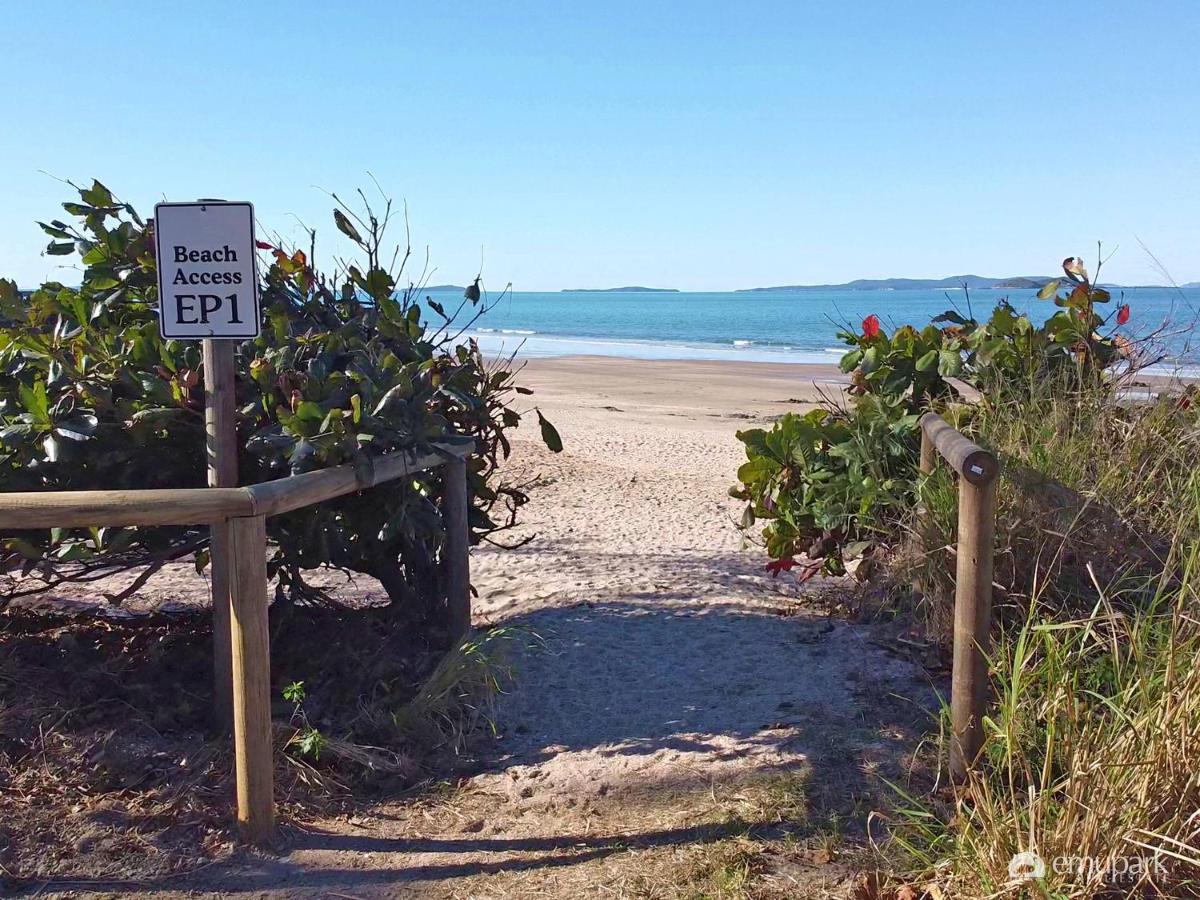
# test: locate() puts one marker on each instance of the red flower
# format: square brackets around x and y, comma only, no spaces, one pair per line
[870,326]
[1122,313]
[776,566]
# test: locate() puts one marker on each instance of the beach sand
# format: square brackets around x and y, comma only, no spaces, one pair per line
[619,413]
[658,669]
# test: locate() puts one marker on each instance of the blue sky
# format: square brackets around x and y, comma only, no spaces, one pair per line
[698,146]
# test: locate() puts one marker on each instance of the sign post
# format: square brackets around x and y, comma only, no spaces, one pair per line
[220,427]
[208,290]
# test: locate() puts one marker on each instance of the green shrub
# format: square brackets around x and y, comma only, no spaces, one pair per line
[1008,355]
[349,365]
[1094,665]
[830,481]
[840,476]
[825,480]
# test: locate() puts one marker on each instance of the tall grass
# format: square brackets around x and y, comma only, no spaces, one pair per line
[460,694]
[1092,746]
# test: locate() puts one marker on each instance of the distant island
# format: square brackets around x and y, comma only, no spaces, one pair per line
[972,282]
[954,282]
[632,289]
[444,287]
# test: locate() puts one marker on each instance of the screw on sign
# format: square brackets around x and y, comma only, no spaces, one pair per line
[207,282]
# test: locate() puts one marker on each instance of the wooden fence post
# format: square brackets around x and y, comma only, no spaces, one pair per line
[921,518]
[928,454]
[251,646]
[220,426]
[972,621]
[456,553]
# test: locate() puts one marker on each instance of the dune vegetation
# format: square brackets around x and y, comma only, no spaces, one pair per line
[1094,726]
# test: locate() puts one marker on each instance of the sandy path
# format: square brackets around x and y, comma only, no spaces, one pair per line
[663,681]
[667,671]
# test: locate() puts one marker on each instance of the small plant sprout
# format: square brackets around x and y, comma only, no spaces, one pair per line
[294,692]
[307,739]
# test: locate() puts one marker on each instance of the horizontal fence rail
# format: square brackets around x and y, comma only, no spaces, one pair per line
[205,506]
[244,511]
[977,469]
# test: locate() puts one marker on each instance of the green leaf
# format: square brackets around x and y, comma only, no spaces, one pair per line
[928,362]
[949,363]
[402,390]
[35,401]
[56,230]
[950,316]
[379,284]
[97,195]
[549,434]
[870,360]
[294,692]
[96,255]
[346,227]
[1003,320]
[23,547]
[756,470]
[60,248]
[307,411]
[1049,289]
[850,361]
[72,552]
[311,742]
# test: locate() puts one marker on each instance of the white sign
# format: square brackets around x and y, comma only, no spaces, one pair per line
[207,283]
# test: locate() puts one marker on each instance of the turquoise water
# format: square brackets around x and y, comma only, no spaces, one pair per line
[795,327]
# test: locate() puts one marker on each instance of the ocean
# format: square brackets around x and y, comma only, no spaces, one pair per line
[788,327]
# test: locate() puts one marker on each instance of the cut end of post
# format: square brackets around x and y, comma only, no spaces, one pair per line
[968,459]
[980,467]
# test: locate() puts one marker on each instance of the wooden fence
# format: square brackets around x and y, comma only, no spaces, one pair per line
[238,517]
[977,469]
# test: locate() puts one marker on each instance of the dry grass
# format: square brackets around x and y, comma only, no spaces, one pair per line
[108,768]
[459,696]
[769,839]
[1092,743]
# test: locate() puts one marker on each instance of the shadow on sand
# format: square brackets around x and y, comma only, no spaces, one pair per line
[724,674]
